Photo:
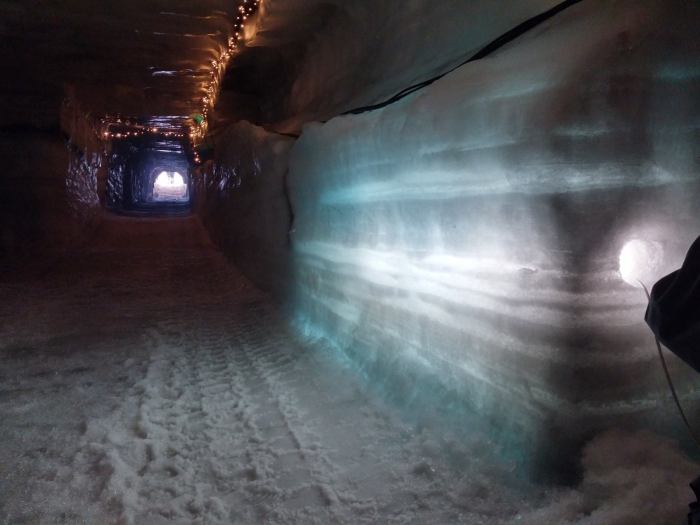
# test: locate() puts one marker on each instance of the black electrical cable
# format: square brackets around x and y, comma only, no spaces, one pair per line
[489,48]
[670,381]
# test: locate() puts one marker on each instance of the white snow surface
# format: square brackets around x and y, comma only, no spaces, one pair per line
[143,380]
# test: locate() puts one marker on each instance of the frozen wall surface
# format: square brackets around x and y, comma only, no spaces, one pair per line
[49,186]
[242,199]
[362,52]
[462,245]
[86,177]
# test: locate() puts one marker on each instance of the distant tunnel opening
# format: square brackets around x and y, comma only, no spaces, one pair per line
[170,186]
[149,175]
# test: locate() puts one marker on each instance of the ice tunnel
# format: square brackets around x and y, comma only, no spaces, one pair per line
[319,261]
[148,174]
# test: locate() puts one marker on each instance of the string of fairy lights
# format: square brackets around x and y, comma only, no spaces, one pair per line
[195,126]
[246,9]
[119,128]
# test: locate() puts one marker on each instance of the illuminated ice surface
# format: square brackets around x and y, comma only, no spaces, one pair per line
[465,241]
[169,186]
[167,390]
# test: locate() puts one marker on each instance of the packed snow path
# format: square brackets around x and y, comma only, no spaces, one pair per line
[143,380]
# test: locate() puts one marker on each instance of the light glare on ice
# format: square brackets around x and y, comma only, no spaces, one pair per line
[640,262]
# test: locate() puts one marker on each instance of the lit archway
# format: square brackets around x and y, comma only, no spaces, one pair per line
[169,186]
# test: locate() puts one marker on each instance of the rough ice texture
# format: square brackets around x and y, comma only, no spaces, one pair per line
[49,186]
[625,475]
[48,196]
[241,197]
[364,51]
[87,171]
[462,244]
[82,182]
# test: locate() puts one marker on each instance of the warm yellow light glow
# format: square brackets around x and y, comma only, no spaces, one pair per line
[209,89]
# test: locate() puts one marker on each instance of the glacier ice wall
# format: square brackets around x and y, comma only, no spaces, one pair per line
[242,199]
[364,51]
[49,186]
[462,245]
[87,169]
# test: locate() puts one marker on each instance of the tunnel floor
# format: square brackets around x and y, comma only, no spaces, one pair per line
[145,380]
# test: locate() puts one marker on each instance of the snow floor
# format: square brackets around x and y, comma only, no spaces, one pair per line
[143,380]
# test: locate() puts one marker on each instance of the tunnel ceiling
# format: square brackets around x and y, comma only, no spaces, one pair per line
[144,58]
[135,57]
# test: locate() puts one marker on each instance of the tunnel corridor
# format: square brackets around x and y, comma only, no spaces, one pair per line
[319,261]
[164,387]
[147,381]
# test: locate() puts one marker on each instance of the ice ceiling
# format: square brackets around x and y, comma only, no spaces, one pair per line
[149,57]
[154,57]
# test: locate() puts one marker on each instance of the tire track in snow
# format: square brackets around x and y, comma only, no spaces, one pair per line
[151,455]
[196,421]
[214,428]
[277,362]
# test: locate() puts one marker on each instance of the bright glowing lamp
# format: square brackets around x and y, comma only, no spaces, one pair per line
[640,262]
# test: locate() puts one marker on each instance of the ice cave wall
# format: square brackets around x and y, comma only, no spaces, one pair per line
[472,232]
[461,246]
[50,186]
[243,201]
[362,52]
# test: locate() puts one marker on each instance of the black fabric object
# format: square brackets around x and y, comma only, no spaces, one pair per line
[694,514]
[673,313]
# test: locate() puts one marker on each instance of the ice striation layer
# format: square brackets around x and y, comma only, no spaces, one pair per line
[462,244]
